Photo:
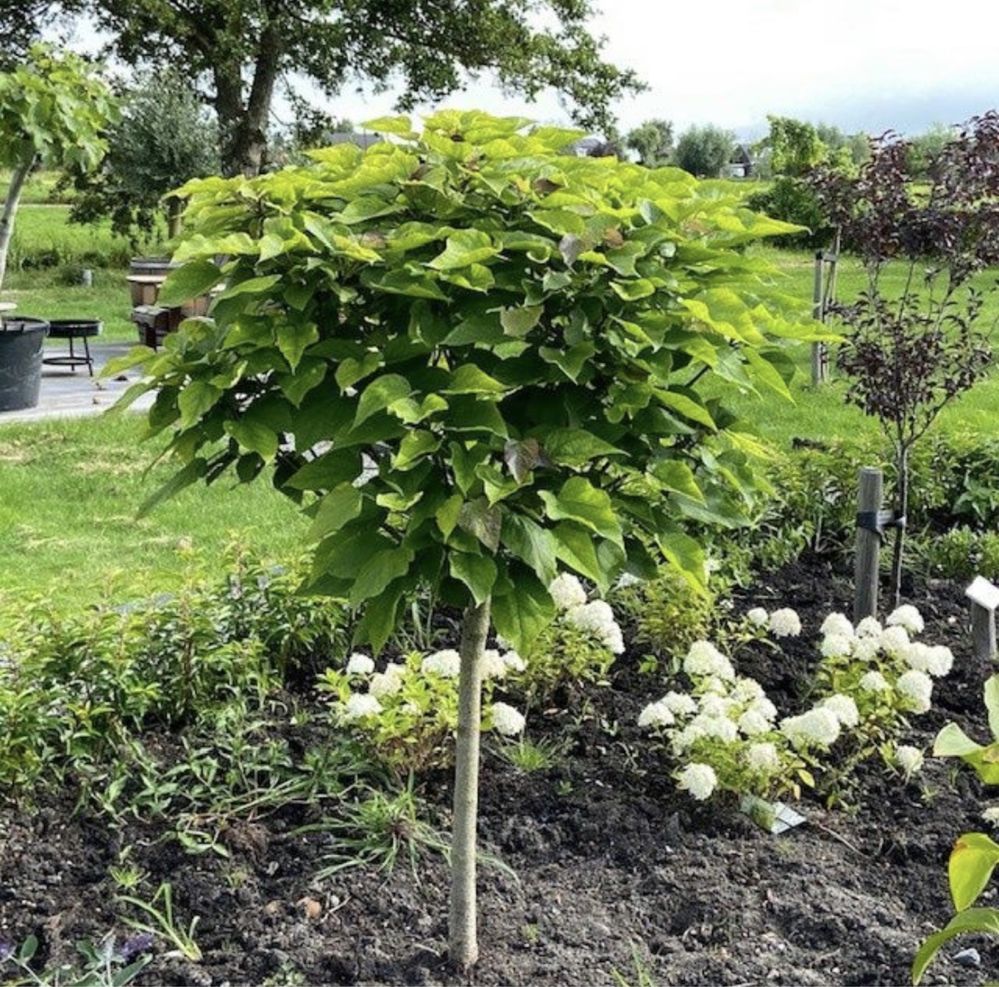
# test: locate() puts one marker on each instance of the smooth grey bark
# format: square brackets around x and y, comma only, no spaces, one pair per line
[463,944]
[17,181]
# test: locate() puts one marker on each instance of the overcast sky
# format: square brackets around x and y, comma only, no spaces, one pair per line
[860,64]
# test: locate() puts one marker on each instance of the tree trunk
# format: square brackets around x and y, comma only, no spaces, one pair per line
[902,499]
[244,127]
[17,180]
[463,945]
[175,210]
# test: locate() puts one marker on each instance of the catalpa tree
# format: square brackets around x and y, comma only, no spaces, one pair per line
[473,359]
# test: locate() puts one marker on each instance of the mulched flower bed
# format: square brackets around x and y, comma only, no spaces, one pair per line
[618,872]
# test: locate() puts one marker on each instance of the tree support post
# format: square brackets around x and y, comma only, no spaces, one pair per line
[868,551]
[463,945]
[818,313]
[984,598]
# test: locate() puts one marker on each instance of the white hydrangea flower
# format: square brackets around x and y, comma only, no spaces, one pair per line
[360,705]
[763,757]
[909,759]
[703,658]
[843,708]
[765,708]
[747,689]
[837,623]
[939,661]
[907,616]
[991,815]
[716,728]
[785,623]
[627,579]
[493,665]
[679,703]
[656,714]
[818,727]
[597,618]
[758,617]
[567,591]
[713,684]
[384,684]
[836,646]
[507,720]
[699,780]
[514,662]
[411,709]
[445,663]
[358,664]
[869,627]
[867,648]
[874,682]
[894,640]
[714,705]
[752,723]
[917,688]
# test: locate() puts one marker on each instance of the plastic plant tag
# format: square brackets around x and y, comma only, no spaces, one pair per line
[984,593]
[773,817]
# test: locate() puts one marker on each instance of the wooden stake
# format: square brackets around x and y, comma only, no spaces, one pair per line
[983,630]
[868,560]
[818,356]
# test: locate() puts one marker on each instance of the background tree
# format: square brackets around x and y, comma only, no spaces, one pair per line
[165,136]
[704,151]
[239,50]
[54,108]
[652,141]
[911,353]
[925,148]
[469,384]
[794,146]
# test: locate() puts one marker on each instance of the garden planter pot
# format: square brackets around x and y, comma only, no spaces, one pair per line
[21,342]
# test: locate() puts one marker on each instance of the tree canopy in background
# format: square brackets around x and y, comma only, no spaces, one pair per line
[165,136]
[652,141]
[704,151]
[238,50]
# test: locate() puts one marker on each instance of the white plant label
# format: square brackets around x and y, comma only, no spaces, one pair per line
[984,593]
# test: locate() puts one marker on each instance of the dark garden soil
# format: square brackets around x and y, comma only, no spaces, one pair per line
[620,876]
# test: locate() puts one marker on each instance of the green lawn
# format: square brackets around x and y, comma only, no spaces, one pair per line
[68,524]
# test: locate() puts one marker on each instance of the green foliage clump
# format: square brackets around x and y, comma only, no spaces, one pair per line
[960,553]
[472,357]
[667,614]
[792,200]
[652,141]
[78,690]
[704,151]
[163,138]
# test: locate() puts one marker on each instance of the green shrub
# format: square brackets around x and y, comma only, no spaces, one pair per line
[77,690]
[666,612]
[793,201]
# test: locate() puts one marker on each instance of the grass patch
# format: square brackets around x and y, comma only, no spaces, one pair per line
[60,295]
[68,525]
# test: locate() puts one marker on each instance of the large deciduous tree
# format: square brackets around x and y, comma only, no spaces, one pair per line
[652,141]
[473,359]
[704,151]
[241,48]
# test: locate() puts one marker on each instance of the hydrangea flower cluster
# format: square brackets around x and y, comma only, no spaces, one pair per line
[726,734]
[724,731]
[594,617]
[885,671]
[406,712]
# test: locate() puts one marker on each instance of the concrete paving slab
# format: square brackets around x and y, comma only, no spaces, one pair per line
[66,394]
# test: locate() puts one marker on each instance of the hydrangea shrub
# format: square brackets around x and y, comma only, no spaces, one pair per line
[475,360]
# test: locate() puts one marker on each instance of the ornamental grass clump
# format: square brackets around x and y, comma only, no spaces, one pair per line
[474,359]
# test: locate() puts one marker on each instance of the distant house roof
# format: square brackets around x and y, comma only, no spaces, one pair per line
[361,140]
[741,155]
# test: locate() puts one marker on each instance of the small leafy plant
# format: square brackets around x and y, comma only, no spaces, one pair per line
[952,741]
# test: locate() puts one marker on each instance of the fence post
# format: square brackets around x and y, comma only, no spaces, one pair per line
[868,558]
[984,598]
